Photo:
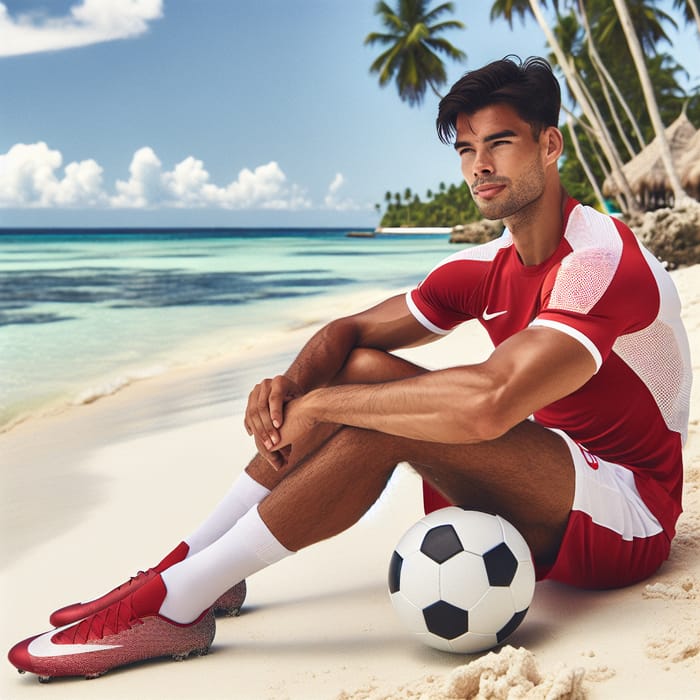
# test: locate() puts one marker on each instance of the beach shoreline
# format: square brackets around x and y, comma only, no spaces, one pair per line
[262,348]
[101,489]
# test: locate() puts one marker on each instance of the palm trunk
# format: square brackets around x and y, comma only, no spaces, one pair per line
[584,163]
[613,111]
[694,9]
[620,98]
[648,90]
[600,68]
[599,127]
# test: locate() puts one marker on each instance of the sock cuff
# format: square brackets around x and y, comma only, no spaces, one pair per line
[260,539]
[249,490]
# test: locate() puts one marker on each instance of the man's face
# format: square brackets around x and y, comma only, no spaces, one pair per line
[501,161]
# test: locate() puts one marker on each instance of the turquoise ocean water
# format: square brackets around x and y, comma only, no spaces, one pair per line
[83,313]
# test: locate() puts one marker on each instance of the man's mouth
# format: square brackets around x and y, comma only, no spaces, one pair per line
[488,190]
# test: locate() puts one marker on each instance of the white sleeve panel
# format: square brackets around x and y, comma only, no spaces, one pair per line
[575,334]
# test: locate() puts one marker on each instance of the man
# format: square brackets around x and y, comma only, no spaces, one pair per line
[572,429]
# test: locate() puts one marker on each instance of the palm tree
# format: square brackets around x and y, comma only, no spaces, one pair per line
[690,10]
[635,47]
[647,20]
[413,47]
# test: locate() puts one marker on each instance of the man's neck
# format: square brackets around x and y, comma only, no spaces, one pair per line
[537,229]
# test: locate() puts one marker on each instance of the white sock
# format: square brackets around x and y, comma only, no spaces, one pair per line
[195,583]
[244,493]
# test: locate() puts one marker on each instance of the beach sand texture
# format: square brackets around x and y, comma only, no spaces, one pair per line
[100,490]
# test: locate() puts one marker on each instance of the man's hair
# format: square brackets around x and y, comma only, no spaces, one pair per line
[529,87]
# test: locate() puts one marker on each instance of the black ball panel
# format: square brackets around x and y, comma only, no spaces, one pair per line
[445,620]
[501,565]
[441,543]
[395,572]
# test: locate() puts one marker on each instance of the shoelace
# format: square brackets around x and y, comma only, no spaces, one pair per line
[116,618]
[132,580]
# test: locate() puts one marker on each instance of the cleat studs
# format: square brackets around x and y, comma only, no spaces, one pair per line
[44,679]
[192,652]
[21,671]
[229,612]
[92,676]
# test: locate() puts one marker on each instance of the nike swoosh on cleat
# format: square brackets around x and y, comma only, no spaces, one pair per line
[488,316]
[43,646]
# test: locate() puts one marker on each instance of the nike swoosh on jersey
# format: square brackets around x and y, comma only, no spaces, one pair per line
[43,646]
[488,316]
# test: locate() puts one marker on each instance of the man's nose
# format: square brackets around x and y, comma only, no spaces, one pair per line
[482,164]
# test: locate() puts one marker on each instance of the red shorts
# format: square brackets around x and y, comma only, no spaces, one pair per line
[612,539]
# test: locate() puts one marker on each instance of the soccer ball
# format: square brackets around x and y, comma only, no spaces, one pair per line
[461,580]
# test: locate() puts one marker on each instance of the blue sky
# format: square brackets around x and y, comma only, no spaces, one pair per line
[220,112]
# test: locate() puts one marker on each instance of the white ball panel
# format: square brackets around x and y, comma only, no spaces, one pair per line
[412,539]
[479,532]
[432,640]
[492,612]
[522,588]
[420,579]
[443,516]
[410,615]
[472,643]
[463,580]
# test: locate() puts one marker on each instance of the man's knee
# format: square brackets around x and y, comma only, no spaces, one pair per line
[370,366]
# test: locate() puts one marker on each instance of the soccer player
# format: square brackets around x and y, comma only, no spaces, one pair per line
[572,429]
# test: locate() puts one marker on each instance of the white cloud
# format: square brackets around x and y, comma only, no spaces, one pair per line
[338,182]
[333,201]
[89,22]
[187,185]
[145,187]
[29,179]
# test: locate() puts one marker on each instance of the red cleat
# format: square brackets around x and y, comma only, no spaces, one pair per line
[127,631]
[229,603]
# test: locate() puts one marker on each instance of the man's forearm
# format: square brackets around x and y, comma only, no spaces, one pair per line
[464,404]
[449,406]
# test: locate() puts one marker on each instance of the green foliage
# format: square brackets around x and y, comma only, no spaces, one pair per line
[449,206]
[412,57]
[651,23]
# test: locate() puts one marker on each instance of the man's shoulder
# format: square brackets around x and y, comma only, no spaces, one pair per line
[588,228]
[483,252]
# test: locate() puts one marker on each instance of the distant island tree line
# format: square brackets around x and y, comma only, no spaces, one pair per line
[452,205]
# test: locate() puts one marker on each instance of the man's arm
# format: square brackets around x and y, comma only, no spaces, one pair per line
[386,326]
[459,405]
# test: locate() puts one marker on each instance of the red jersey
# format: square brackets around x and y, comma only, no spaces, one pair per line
[604,289]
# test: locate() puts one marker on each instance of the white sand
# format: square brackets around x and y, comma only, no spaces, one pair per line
[95,493]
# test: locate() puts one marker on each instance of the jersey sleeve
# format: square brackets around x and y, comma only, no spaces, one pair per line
[446,297]
[598,294]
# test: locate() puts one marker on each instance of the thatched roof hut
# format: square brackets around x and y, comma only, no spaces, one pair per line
[646,173]
[689,167]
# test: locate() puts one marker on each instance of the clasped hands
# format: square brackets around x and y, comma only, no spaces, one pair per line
[276,419]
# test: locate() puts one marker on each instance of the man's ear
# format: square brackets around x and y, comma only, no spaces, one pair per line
[553,142]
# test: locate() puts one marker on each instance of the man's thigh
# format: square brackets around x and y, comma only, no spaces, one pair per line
[526,475]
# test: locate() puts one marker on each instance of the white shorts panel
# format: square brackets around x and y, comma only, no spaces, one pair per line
[608,494]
